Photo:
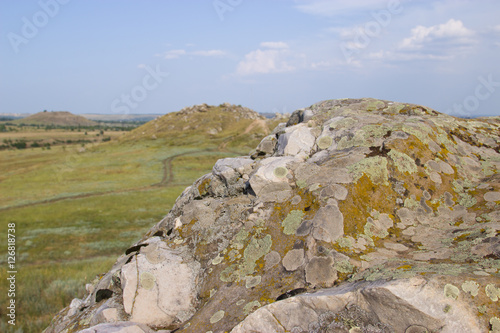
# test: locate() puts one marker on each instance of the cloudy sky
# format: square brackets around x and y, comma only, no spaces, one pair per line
[131,56]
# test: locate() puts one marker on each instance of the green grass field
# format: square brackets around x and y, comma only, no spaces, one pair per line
[76,210]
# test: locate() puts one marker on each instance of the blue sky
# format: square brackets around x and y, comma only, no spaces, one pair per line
[125,56]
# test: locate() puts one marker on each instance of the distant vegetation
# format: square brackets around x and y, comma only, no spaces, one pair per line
[22,136]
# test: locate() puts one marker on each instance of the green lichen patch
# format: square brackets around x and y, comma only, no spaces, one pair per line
[466,200]
[374,167]
[239,239]
[471,287]
[343,123]
[355,141]
[147,280]
[374,131]
[345,242]
[344,266]
[420,132]
[492,292]
[373,105]
[411,203]
[252,281]
[256,249]
[325,142]
[495,325]
[229,274]
[451,291]
[292,222]
[217,316]
[301,183]
[403,162]
[280,172]
[217,260]
[251,306]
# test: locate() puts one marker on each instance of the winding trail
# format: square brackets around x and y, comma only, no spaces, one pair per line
[167,179]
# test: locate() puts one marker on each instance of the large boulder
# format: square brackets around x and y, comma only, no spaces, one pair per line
[357,215]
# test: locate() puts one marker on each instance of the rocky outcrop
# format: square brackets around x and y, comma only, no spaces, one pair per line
[240,111]
[355,216]
[205,125]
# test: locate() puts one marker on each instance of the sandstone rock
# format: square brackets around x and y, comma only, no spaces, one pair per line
[413,305]
[266,146]
[320,272]
[357,215]
[328,224]
[123,327]
[296,141]
[293,259]
[159,286]
[230,169]
[271,179]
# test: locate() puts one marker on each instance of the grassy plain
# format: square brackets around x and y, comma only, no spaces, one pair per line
[77,207]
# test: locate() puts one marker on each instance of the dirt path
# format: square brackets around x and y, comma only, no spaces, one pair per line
[167,179]
[168,171]
[257,123]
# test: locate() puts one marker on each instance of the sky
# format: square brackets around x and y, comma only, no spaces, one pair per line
[155,57]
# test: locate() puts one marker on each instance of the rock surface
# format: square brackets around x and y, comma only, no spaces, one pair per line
[358,215]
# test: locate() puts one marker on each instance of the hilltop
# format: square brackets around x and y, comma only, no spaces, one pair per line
[226,124]
[56,118]
[357,215]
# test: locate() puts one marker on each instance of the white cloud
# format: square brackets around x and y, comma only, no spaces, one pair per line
[451,33]
[439,42]
[273,58]
[263,62]
[173,54]
[394,56]
[442,42]
[209,53]
[274,45]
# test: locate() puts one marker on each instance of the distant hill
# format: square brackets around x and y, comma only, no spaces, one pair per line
[226,124]
[121,117]
[56,118]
